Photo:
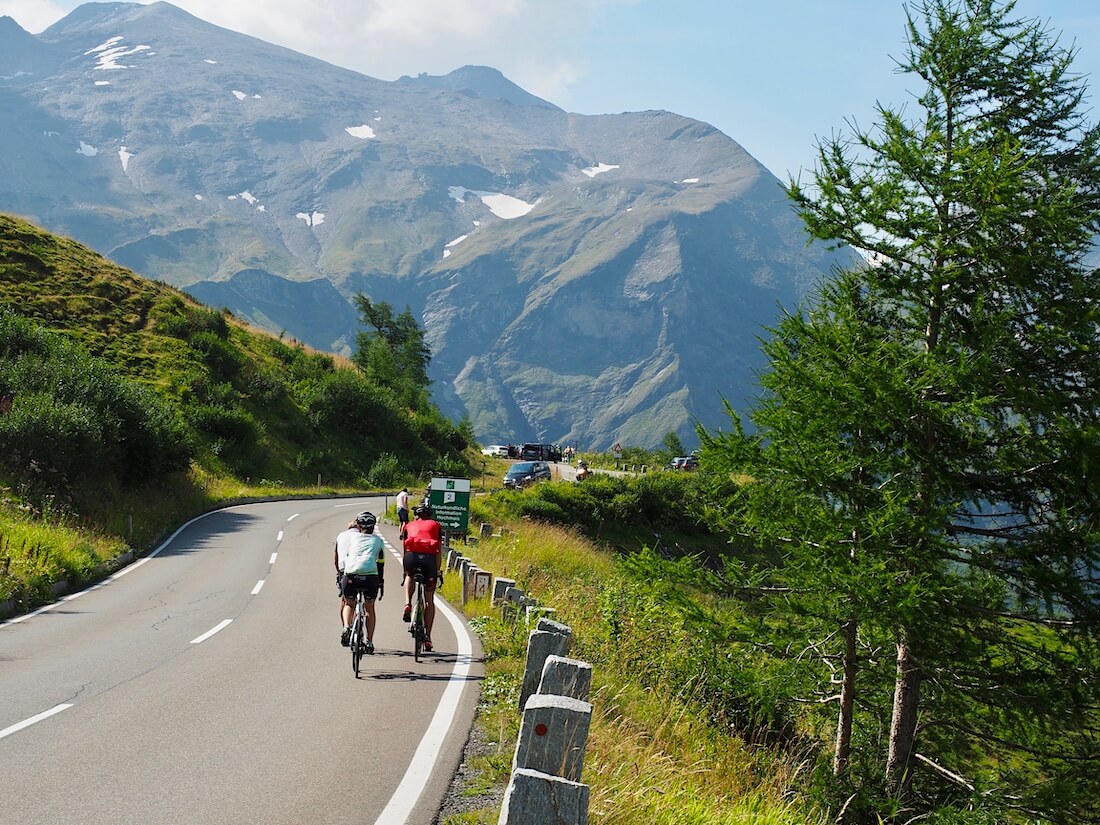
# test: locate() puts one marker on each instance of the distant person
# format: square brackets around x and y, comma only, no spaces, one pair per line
[360,559]
[403,507]
[423,545]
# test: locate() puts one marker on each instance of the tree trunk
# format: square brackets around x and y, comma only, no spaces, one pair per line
[842,753]
[903,725]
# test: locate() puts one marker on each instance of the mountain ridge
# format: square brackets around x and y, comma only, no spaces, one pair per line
[581,278]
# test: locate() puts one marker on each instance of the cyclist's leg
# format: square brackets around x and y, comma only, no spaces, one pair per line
[347,610]
[369,595]
[410,586]
[429,603]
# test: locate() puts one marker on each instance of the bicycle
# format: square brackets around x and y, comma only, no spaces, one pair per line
[358,642]
[416,628]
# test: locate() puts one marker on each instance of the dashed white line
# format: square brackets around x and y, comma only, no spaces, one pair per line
[280,536]
[273,557]
[219,627]
[26,723]
[258,587]
[294,517]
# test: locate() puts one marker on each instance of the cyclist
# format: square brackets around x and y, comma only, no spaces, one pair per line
[360,560]
[423,543]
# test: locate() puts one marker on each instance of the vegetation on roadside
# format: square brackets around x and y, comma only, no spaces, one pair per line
[910,608]
[125,403]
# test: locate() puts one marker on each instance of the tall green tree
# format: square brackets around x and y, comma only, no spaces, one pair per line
[925,457]
[393,351]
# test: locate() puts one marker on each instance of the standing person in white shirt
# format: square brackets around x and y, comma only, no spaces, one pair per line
[403,507]
[359,559]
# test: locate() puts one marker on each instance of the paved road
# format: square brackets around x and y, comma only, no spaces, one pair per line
[207,684]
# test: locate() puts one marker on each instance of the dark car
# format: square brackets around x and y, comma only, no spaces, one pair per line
[540,452]
[524,473]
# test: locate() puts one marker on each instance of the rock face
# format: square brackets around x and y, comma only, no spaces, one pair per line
[582,279]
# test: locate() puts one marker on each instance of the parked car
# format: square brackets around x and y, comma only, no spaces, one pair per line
[523,473]
[540,452]
[683,462]
[500,450]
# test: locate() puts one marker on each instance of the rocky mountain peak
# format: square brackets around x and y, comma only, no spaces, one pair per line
[481,81]
[582,279]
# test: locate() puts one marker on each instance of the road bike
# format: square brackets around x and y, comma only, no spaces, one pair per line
[358,642]
[416,628]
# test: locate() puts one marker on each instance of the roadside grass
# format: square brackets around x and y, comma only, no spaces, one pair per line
[81,541]
[654,752]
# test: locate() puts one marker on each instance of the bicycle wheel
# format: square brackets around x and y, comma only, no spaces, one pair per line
[418,623]
[357,641]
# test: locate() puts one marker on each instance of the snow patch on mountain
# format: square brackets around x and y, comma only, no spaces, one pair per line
[87,150]
[501,205]
[365,132]
[311,219]
[599,169]
[455,242]
[124,156]
[108,53]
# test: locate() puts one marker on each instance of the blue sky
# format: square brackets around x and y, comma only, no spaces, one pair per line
[772,75]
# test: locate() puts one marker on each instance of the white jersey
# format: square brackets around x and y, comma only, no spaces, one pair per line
[359,553]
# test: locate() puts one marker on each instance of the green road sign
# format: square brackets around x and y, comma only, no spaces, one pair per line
[450,501]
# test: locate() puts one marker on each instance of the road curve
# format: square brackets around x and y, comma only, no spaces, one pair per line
[206,684]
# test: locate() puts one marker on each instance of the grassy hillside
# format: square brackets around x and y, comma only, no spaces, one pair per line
[118,394]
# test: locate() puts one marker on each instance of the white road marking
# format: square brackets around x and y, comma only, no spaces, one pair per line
[258,587]
[294,517]
[128,569]
[280,536]
[220,626]
[26,723]
[273,557]
[404,799]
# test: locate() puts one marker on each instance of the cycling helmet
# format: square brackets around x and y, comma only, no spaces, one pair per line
[423,511]
[365,520]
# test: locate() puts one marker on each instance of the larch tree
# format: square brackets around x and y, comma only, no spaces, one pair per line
[925,456]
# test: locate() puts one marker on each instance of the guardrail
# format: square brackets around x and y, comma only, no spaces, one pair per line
[545,786]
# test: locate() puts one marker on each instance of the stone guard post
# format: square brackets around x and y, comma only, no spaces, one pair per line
[549,638]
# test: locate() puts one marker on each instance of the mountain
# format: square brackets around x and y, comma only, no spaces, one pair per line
[582,279]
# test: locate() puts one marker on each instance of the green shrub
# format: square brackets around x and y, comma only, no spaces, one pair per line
[384,473]
[223,359]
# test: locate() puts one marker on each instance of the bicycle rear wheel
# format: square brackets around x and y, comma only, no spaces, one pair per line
[357,643]
[419,634]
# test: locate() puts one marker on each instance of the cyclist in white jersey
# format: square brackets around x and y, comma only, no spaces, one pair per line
[360,560]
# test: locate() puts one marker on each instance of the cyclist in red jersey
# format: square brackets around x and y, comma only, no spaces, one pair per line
[423,544]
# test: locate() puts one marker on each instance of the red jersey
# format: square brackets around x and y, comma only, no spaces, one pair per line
[423,536]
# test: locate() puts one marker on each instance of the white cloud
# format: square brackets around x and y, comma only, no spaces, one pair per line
[35,15]
[533,42]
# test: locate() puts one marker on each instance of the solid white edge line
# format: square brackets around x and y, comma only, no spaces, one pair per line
[420,769]
[273,557]
[222,625]
[26,723]
[114,576]
[258,587]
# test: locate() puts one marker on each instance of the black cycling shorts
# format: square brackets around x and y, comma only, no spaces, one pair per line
[426,564]
[352,583]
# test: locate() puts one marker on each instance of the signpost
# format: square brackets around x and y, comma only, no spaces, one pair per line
[450,502]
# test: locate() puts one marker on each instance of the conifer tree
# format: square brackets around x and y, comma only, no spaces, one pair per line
[925,455]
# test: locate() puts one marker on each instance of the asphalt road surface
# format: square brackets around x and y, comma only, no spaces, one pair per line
[206,683]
